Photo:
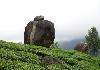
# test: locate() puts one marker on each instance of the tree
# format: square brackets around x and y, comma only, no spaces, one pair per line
[92,40]
[55,45]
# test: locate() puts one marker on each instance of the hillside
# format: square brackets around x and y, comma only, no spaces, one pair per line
[14,56]
[70,45]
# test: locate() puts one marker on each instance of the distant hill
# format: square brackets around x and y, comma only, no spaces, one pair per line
[69,44]
[16,56]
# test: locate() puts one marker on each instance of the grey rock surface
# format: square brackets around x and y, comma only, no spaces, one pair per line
[39,32]
[82,47]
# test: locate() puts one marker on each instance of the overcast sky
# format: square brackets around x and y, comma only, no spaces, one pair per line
[72,18]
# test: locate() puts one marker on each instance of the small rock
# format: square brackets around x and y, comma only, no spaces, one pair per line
[38,18]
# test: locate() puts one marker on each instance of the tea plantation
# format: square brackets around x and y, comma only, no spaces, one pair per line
[15,56]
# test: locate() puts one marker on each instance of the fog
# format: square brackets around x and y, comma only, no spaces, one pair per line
[72,18]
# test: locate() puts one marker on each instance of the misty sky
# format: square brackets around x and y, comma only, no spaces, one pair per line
[72,18]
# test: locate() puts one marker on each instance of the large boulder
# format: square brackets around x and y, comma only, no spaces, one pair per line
[39,32]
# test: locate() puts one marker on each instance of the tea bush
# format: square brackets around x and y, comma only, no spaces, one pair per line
[16,56]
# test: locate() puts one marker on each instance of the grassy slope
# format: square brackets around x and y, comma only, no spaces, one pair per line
[31,57]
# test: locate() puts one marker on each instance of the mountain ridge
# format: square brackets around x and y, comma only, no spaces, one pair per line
[69,45]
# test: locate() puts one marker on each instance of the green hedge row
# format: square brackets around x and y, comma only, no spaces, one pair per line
[17,65]
[19,55]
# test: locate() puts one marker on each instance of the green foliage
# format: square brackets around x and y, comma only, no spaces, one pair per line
[55,45]
[19,55]
[15,56]
[59,67]
[93,41]
[18,65]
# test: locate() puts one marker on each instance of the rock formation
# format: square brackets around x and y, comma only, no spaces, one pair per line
[82,47]
[39,32]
